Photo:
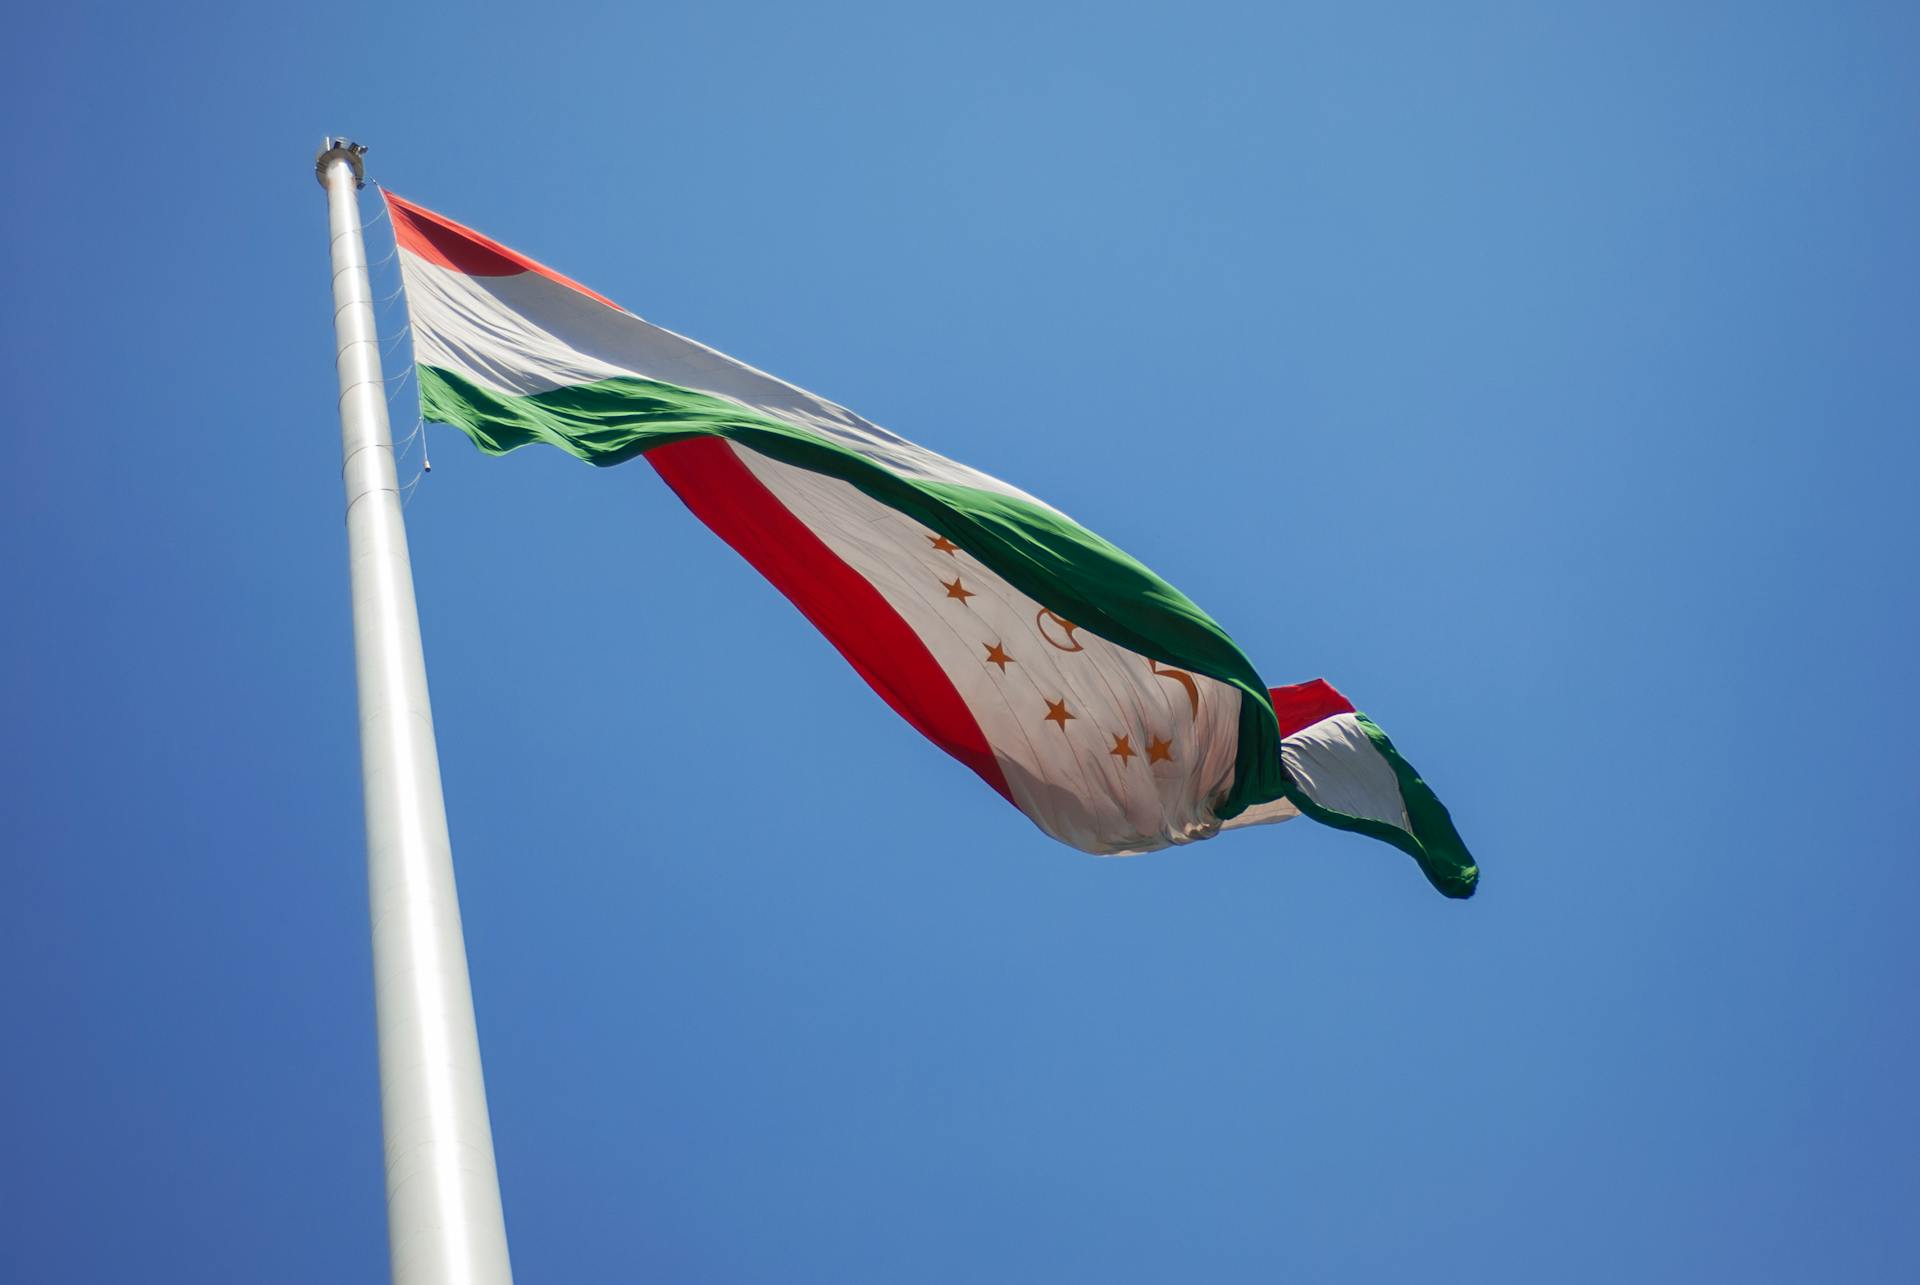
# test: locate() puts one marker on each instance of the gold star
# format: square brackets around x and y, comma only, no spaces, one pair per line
[943,544]
[956,590]
[1122,748]
[995,656]
[1057,713]
[1159,751]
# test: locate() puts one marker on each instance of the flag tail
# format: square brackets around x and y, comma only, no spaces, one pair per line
[1343,771]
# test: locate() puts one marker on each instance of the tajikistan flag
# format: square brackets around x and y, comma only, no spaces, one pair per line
[1093,695]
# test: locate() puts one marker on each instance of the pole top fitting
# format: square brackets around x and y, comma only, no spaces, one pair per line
[341,149]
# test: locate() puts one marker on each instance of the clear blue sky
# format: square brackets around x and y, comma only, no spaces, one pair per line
[1541,374]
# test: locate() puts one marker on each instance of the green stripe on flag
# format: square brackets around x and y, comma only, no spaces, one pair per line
[1048,557]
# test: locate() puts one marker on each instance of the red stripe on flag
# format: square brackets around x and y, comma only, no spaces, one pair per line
[440,241]
[842,604]
[1304,704]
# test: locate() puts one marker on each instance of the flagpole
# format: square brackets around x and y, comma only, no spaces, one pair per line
[444,1224]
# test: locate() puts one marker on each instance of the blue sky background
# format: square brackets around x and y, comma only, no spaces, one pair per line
[1541,374]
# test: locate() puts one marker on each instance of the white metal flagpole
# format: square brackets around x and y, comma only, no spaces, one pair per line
[444,1225]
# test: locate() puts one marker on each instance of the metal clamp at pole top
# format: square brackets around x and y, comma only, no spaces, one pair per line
[341,149]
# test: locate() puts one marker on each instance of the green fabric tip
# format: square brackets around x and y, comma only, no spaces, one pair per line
[1434,844]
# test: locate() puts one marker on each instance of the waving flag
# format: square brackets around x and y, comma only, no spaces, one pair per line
[1093,695]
